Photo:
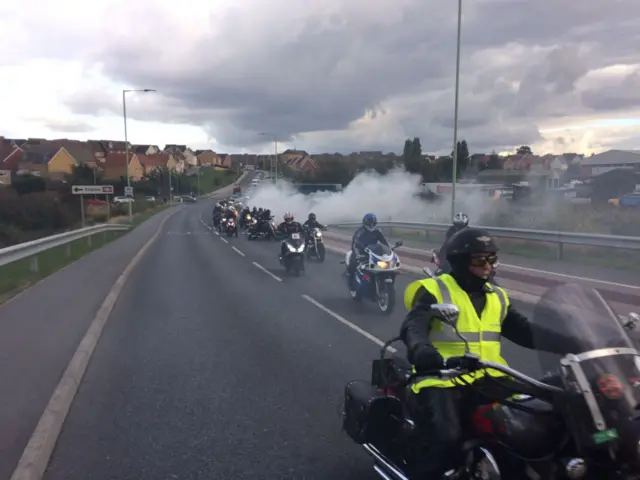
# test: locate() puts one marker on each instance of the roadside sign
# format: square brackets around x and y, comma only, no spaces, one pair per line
[92,189]
[128,191]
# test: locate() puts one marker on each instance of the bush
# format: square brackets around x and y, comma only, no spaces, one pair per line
[32,215]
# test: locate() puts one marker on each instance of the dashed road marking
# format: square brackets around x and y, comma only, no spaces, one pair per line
[272,275]
[349,324]
[237,251]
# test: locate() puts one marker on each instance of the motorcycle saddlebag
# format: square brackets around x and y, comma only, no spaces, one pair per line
[369,415]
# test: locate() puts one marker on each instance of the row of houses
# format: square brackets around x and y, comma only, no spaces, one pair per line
[57,158]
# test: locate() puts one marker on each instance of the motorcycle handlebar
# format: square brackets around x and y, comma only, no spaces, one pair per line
[461,365]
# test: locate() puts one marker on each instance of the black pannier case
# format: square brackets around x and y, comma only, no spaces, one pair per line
[370,415]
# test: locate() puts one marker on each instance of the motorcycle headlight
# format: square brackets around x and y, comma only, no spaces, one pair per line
[291,248]
[382,264]
[318,234]
[248,217]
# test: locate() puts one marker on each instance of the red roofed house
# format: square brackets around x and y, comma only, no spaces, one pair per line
[158,161]
[115,167]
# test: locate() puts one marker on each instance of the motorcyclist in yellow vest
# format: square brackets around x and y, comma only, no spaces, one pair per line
[440,406]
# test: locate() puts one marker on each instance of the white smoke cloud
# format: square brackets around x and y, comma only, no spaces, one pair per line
[392,197]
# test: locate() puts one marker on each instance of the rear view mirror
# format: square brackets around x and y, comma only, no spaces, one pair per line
[429,272]
[632,321]
[447,313]
[399,243]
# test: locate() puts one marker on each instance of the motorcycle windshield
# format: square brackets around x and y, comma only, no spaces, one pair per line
[293,241]
[571,318]
[379,249]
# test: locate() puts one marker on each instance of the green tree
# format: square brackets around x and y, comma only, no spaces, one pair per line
[25,184]
[494,162]
[85,175]
[463,158]
[412,155]
[524,150]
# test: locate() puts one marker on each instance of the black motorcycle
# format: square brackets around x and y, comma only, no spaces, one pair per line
[293,259]
[584,426]
[263,230]
[315,245]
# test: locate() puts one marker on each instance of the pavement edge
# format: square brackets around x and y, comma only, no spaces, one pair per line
[36,455]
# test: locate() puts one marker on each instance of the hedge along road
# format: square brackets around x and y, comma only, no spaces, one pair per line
[214,365]
[42,327]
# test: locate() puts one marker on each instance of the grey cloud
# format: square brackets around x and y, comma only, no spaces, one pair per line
[328,70]
[615,97]
[66,126]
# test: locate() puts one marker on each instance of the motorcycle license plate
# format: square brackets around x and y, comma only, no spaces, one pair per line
[388,280]
[295,236]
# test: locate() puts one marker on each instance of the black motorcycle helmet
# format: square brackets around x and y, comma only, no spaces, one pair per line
[312,217]
[465,247]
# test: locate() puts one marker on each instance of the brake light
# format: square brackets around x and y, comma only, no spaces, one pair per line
[610,386]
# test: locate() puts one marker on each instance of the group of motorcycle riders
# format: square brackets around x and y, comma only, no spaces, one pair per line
[261,218]
[442,407]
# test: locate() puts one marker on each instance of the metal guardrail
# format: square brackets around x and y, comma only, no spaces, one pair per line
[539,236]
[35,247]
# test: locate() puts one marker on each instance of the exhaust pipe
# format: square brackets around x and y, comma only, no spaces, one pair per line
[391,472]
[381,473]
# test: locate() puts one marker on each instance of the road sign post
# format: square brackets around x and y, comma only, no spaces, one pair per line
[83,190]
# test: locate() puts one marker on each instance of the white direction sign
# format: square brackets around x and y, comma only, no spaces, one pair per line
[128,191]
[92,189]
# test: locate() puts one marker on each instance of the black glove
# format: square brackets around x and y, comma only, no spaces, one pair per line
[425,358]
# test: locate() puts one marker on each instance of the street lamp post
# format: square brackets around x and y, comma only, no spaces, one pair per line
[274,165]
[454,176]
[126,140]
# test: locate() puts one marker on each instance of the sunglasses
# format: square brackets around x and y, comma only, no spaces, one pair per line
[482,261]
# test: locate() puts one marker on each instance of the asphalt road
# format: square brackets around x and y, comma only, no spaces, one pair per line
[210,367]
[41,328]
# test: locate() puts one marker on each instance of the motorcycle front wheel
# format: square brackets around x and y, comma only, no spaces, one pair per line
[386,297]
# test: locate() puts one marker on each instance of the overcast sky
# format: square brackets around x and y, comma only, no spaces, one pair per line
[324,75]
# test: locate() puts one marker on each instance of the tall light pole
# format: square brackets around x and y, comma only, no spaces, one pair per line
[454,176]
[126,140]
[274,168]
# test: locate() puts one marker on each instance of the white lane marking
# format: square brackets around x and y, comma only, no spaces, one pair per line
[519,267]
[217,233]
[272,275]
[574,277]
[237,251]
[349,324]
[224,239]
[37,453]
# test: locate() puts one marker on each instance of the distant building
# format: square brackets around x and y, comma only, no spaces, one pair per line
[610,160]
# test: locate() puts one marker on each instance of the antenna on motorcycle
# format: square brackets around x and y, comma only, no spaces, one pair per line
[448,314]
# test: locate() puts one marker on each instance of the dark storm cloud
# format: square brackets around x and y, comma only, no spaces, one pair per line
[325,71]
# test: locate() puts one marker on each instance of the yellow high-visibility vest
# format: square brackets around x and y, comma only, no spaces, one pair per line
[483,333]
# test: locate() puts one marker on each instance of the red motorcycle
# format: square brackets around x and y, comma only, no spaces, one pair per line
[231,227]
[583,425]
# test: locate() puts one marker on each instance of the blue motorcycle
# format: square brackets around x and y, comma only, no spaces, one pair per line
[375,275]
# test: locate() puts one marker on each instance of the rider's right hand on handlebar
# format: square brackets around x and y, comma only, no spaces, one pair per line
[464,362]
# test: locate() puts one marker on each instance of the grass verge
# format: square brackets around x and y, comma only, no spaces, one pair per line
[18,276]
[610,258]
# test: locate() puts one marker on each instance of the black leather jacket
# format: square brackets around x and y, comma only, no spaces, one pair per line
[289,228]
[313,224]
[364,237]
